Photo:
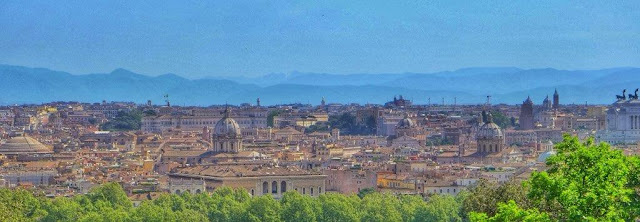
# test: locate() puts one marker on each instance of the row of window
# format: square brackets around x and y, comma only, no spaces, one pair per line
[283,188]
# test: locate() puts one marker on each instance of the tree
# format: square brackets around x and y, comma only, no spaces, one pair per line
[271,116]
[441,208]
[337,207]
[500,119]
[124,121]
[511,212]
[20,205]
[228,206]
[366,191]
[484,196]
[262,208]
[111,194]
[380,207]
[150,112]
[347,123]
[63,209]
[296,207]
[409,206]
[587,181]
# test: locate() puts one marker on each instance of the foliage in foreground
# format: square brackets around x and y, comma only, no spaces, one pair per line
[110,203]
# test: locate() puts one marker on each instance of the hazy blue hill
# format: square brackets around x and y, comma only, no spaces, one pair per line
[27,85]
[208,92]
[323,79]
[621,76]
[498,83]
[472,85]
[289,93]
[326,79]
[478,70]
[265,80]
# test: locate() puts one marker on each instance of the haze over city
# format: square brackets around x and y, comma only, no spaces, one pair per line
[320,111]
[254,38]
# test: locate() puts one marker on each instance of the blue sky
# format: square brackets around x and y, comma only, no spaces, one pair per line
[225,38]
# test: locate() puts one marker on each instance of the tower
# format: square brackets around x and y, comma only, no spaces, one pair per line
[526,114]
[258,101]
[556,100]
[546,104]
[323,102]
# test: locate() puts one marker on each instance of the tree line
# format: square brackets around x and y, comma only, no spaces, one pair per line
[584,181]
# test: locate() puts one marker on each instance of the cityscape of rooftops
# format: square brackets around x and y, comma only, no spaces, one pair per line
[319,111]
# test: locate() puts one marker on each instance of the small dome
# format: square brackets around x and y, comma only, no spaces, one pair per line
[489,130]
[227,126]
[23,145]
[543,156]
[405,123]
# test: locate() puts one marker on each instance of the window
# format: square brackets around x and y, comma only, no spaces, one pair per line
[304,190]
[274,187]
[265,188]
[283,187]
[319,190]
[311,191]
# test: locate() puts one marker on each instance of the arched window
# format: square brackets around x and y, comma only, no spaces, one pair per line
[198,191]
[283,187]
[177,191]
[311,191]
[265,188]
[252,192]
[274,187]
[304,190]
[319,190]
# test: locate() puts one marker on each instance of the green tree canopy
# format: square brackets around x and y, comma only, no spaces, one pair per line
[587,181]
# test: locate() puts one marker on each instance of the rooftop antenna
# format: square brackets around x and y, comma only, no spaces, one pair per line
[488,100]
[455,102]
[166,99]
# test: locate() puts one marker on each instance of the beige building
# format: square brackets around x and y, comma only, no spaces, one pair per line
[256,179]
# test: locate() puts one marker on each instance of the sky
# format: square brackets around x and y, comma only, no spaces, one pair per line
[197,39]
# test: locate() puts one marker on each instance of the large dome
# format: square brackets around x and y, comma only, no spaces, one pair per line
[22,145]
[489,131]
[227,126]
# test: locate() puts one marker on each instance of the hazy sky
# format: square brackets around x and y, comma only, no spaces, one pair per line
[196,39]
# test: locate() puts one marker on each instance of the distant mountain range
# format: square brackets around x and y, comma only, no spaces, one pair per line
[19,85]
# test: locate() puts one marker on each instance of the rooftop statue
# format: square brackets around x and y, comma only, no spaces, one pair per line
[622,97]
[634,96]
